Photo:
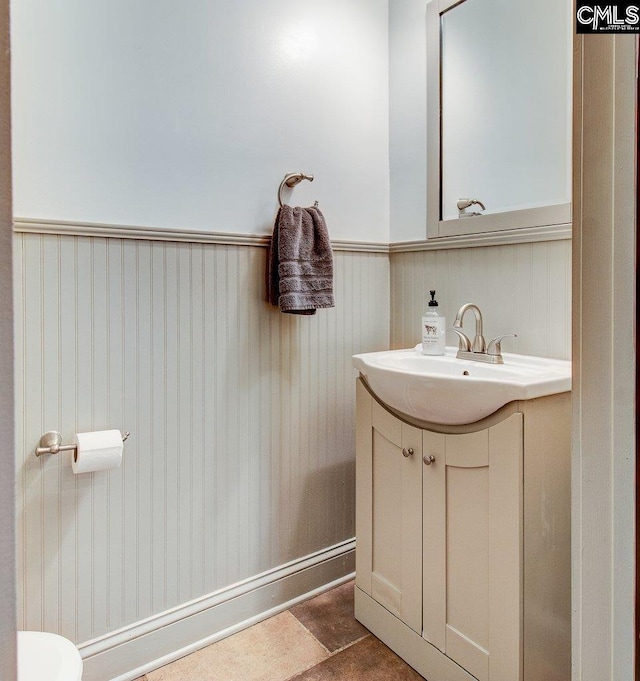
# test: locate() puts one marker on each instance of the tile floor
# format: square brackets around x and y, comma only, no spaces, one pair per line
[318,640]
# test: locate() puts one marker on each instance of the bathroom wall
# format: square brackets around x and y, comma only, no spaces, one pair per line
[522,288]
[7,507]
[241,455]
[177,125]
[159,115]
[149,144]
[408,119]
[604,465]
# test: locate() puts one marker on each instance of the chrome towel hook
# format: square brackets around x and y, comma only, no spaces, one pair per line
[291,180]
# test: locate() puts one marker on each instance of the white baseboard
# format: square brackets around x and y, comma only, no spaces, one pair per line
[130,652]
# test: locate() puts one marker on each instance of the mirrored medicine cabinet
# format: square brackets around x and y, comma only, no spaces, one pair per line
[498,116]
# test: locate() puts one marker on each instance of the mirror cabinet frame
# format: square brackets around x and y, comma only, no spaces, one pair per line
[540,222]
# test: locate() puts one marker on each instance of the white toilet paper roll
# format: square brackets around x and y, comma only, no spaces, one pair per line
[100,450]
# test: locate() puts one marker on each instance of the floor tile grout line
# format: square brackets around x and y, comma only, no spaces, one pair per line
[330,653]
[337,650]
[315,638]
[334,654]
[352,643]
[329,656]
[306,669]
[316,664]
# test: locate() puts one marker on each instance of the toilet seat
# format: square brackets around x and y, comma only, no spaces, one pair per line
[47,657]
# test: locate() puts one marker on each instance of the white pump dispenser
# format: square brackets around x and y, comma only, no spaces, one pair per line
[433,329]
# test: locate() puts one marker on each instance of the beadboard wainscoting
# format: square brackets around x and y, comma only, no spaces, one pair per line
[241,455]
[520,288]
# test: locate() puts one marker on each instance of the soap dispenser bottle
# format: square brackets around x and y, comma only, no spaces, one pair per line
[433,329]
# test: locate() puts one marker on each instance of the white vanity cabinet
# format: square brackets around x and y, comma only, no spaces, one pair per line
[463,544]
[390,501]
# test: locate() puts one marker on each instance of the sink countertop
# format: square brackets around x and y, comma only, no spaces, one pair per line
[447,390]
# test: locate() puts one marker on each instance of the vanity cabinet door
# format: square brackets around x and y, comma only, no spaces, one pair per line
[388,511]
[472,553]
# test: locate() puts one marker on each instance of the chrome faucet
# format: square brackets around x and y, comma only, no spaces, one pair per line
[478,350]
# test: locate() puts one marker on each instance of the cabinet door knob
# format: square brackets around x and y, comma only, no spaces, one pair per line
[428,459]
[407,452]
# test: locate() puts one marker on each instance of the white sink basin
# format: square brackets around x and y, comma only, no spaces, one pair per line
[444,389]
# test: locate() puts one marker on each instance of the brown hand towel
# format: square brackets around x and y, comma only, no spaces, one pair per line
[300,262]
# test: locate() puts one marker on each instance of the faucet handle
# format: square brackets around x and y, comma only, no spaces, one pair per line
[464,344]
[497,349]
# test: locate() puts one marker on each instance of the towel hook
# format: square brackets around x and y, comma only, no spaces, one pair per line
[291,180]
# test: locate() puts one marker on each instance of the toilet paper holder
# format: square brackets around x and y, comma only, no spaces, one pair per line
[51,443]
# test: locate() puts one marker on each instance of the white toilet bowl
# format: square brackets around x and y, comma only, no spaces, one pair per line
[47,657]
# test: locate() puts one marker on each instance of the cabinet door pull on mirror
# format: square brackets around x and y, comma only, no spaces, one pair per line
[428,459]
[407,452]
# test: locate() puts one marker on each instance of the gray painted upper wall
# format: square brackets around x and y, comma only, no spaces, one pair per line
[408,119]
[154,116]
[188,115]
[7,515]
